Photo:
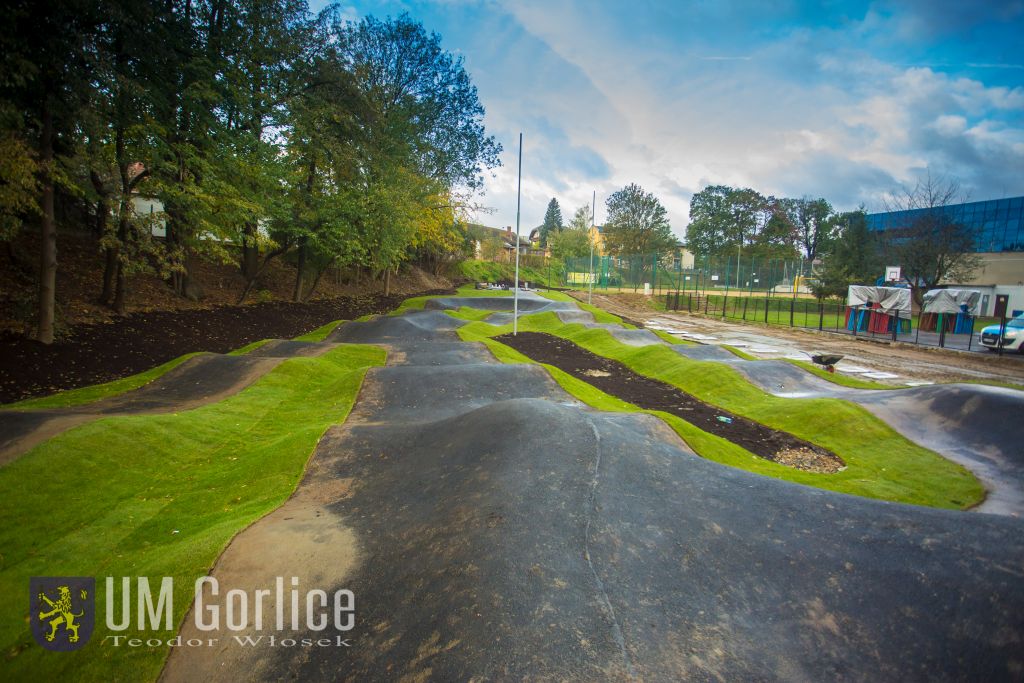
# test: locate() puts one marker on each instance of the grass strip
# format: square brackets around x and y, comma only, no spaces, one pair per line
[672,339]
[839,378]
[158,495]
[881,463]
[739,353]
[249,347]
[471,314]
[320,333]
[83,395]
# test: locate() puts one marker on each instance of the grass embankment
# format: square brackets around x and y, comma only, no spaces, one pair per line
[880,462]
[672,339]
[320,333]
[249,347]
[491,271]
[470,314]
[84,395]
[157,495]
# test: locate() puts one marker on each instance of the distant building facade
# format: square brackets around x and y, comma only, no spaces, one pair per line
[997,224]
[998,229]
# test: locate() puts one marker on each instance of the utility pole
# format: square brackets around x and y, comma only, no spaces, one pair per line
[515,295]
[590,284]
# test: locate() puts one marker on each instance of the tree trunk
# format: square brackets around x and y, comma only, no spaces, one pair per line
[121,291]
[48,227]
[110,254]
[387,282]
[180,278]
[316,280]
[109,275]
[300,268]
[250,252]
[259,271]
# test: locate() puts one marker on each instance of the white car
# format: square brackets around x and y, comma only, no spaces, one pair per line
[1013,335]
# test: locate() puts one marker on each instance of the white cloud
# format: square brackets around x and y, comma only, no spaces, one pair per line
[950,125]
[808,111]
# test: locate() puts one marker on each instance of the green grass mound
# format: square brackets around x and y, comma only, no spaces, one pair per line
[158,495]
[880,462]
[490,271]
[84,395]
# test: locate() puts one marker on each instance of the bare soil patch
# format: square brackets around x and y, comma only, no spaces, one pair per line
[616,379]
[102,352]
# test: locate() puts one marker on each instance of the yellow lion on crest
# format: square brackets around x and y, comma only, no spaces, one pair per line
[61,613]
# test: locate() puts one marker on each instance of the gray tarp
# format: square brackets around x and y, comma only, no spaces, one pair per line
[950,301]
[891,298]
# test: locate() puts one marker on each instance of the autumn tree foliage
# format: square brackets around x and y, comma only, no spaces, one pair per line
[262,129]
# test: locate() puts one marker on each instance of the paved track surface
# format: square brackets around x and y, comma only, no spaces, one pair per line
[492,528]
[970,424]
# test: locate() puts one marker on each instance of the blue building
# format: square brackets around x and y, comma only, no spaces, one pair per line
[997,224]
[998,229]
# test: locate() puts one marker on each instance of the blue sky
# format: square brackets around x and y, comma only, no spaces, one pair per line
[843,100]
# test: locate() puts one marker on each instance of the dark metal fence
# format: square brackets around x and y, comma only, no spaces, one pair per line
[771,291]
[941,331]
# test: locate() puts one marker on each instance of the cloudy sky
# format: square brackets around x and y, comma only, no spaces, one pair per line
[843,100]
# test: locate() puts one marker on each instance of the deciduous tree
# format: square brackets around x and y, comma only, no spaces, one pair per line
[637,223]
[929,245]
[853,257]
[46,59]
[812,221]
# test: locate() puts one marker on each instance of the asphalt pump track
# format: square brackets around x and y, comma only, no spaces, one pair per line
[971,424]
[493,528]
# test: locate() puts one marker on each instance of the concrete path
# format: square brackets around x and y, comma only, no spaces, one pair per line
[492,528]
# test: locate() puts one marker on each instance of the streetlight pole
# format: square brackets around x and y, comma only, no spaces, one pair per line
[515,295]
[590,283]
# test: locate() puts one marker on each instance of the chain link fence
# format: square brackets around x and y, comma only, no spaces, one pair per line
[768,291]
[658,273]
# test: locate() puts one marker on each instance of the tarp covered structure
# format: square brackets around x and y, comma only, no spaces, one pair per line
[952,301]
[890,300]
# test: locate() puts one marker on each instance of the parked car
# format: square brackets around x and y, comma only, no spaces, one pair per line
[1013,335]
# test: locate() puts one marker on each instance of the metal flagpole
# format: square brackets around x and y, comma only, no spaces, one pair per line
[515,296]
[590,284]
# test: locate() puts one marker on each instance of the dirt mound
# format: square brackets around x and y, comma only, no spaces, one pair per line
[616,379]
[101,352]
